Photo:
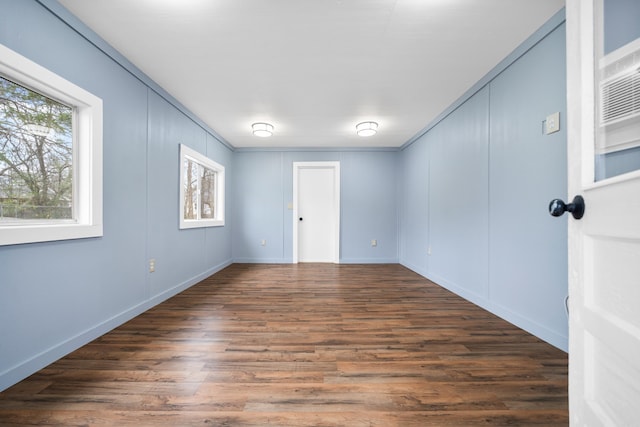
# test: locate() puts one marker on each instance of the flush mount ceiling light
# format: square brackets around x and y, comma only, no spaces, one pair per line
[366,128]
[262,130]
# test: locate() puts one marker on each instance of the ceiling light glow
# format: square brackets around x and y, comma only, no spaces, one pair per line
[262,130]
[367,128]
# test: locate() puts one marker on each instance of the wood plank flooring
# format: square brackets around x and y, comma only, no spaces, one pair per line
[303,345]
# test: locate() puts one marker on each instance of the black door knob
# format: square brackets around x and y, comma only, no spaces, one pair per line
[300,218]
[557,207]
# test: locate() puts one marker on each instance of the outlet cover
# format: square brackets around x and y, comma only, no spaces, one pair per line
[552,124]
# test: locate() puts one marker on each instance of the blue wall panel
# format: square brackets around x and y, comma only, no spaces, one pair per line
[414,213]
[264,188]
[369,207]
[168,128]
[483,207]
[258,208]
[528,249]
[218,239]
[459,198]
[621,19]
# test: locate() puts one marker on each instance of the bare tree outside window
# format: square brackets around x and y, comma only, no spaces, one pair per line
[36,155]
[191,189]
[208,193]
[201,190]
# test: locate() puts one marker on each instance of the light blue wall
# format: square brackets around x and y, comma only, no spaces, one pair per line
[458,198]
[616,163]
[56,296]
[414,181]
[482,205]
[369,205]
[259,208]
[621,19]
[181,255]
[528,247]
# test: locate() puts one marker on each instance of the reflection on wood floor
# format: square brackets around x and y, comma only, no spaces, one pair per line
[303,345]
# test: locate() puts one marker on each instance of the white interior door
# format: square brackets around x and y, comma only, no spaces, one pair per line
[316,228]
[604,246]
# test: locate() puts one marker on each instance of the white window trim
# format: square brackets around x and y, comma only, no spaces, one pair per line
[218,221]
[87,154]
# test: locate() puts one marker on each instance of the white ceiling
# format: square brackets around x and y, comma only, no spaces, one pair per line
[315,68]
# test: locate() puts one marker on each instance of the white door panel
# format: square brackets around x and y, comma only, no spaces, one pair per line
[315,212]
[604,246]
[316,225]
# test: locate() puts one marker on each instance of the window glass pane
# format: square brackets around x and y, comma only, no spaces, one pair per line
[190,189]
[36,156]
[208,193]
[201,190]
[617,45]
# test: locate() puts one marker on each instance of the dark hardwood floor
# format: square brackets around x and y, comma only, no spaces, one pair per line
[303,345]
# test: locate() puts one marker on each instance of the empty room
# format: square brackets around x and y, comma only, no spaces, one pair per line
[319,213]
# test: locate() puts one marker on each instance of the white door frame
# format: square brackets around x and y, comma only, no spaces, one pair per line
[335,166]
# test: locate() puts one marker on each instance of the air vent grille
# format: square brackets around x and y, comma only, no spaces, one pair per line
[621,98]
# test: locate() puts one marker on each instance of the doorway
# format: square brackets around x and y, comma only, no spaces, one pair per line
[316,212]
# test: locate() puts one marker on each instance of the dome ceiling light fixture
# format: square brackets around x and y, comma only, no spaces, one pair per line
[367,128]
[262,130]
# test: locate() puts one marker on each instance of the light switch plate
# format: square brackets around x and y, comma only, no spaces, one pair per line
[552,124]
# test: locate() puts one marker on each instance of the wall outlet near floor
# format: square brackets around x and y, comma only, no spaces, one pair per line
[152,265]
[263,242]
[374,242]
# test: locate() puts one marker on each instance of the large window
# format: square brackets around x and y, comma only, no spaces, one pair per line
[36,156]
[50,155]
[201,190]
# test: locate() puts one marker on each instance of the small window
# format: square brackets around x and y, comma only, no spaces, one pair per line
[201,190]
[50,155]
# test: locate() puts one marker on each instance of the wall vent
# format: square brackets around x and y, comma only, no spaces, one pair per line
[619,99]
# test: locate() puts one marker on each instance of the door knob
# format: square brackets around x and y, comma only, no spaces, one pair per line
[557,207]
[300,218]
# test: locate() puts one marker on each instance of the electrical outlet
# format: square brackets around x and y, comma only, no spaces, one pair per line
[552,123]
[152,265]
[429,250]
[263,242]
[374,242]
